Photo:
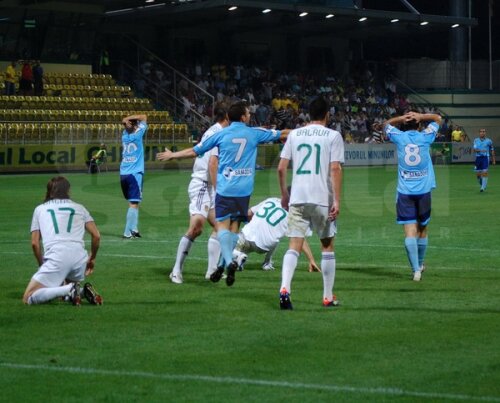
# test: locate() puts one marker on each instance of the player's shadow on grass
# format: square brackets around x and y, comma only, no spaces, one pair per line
[375,271]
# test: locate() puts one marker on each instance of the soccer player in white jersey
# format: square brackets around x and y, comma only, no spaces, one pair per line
[483,147]
[314,201]
[202,203]
[416,180]
[268,224]
[61,224]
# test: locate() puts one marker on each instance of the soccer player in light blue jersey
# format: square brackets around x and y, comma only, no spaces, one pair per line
[237,145]
[415,181]
[132,170]
[483,147]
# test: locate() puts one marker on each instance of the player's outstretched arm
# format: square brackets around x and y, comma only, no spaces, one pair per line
[284,134]
[168,155]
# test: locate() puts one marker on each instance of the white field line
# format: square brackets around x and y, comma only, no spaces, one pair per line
[340,265]
[252,382]
[338,243]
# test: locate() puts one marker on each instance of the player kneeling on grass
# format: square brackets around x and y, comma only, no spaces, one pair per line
[268,224]
[61,224]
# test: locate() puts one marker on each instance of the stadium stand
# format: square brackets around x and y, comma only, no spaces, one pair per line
[79,108]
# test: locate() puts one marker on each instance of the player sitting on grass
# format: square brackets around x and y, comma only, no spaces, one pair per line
[61,224]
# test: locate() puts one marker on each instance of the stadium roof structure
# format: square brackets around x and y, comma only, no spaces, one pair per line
[307,18]
[247,15]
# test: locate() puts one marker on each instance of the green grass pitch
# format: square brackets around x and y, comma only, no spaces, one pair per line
[392,340]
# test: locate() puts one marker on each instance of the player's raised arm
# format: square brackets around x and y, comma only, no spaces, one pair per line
[141,118]
[424,117]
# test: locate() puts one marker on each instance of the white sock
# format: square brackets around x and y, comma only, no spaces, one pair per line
[182,252]
[328,264]
[289,264]
[49,293]
[213,254]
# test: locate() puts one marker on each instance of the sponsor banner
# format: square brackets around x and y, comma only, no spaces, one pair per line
[462,152]
[370,154]
[67,157]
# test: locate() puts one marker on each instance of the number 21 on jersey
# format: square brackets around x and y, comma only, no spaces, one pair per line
[309,154]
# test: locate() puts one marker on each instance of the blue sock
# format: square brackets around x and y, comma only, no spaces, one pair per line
[422,248]
[485,182]
[134,218]
[225,238]
[128,222]
[412,252]
[235,239]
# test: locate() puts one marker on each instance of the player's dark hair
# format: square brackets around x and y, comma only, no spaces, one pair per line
[220,113]
[237,110]
[57,188]
[410,125]
[318,108]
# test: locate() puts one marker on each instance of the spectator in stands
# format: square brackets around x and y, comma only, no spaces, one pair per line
[262,114]
[38,78]
[104,62]
[456,134]
[26,80]
[10,79]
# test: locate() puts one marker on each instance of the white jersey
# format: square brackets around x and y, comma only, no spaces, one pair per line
[61,222]
[311,149]
[268,224]
[200,167]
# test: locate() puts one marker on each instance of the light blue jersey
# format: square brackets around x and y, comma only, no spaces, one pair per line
[415,170]
[484,146]
[237,156]
[133,150]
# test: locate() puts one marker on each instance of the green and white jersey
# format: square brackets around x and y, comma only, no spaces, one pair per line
[311,149]
[268,224]
[61,222]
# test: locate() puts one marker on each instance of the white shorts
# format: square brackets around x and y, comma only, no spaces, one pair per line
[201,196]
[246,246]
[62,263]
[303,217]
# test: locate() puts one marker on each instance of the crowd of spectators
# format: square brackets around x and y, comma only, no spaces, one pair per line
[30,80]
[281,99]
